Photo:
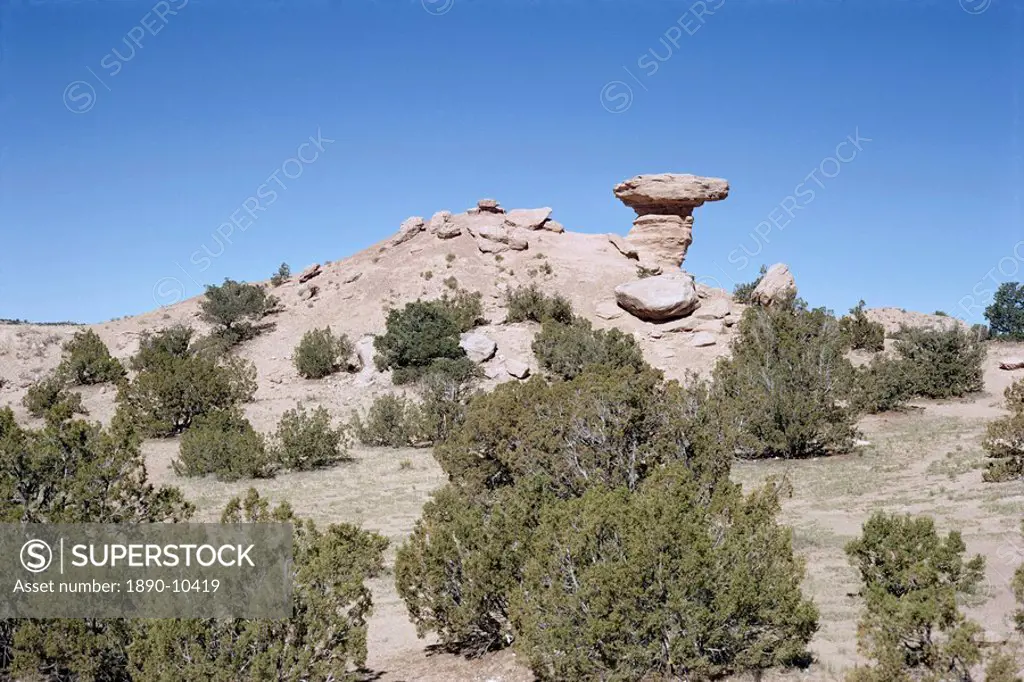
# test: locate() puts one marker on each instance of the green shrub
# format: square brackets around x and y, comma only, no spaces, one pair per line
[531,304]
[49,398]
[859,332]
[283,274]
[1004,439]
[392,421]
[176,383]
[945,363]
[464,308]
[235,309]
[1006,313]
[306,441]
[783,385]
[912,627]
[225,444]
[566,349]
[883,385]
[86,360]
[653,584]
[324,639]
[320,353]
[445,390]
[416,335]
[981,331]
[742,292]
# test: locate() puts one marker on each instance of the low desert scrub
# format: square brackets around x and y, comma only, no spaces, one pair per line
[784,387]
[225,444]
[1004,440]
[565,350]
[530,304]
[859,332]
[235,310]
[425,331]
[912,627]
[928,363]
[320,353]
[603,499]
[178,381]
[305,440]
[50,398]
[391,421]
[86,360]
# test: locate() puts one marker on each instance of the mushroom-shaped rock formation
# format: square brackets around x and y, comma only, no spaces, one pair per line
[664,206]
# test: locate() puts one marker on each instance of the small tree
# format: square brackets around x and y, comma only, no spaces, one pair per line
[235,309]
[86,360]
[1004,440]
[320,353]
[742,293]
[445,390]
[416,335]
[223,443]
[944,363]
[464,308]
[324,639]
[392,421]
[49,398]
[566,349]
[912,578]
[176,383]
[529,303]
[783,384]
[859,332]
[306,441]
[1006,313]
[283,274]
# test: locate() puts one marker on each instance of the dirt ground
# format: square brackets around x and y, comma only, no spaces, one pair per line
[927,460]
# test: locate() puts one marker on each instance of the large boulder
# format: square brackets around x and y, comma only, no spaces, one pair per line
[660,298]
[410,228]
[670,193]
[776,285]
[527,218]
[479,348]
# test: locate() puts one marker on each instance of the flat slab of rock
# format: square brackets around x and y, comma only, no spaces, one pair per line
[552,226]
[517,369]
[527,218]
[478,347]
[489,206]
[1012,363]
[713,309]
[309,273]
[608,310]
[660,298]
[703,339]
[776,285]
[670,193]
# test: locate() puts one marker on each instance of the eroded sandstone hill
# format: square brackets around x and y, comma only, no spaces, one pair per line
[610,279]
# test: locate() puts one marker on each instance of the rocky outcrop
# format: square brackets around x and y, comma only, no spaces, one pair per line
[309,273]
[664,206]
[410,228]
[308,292]
[776,285]
[623,247]
[442,226]
[703,339]
[489,206]
[660,298]
[517,369]
[713,309]
[479,348]
[527,218]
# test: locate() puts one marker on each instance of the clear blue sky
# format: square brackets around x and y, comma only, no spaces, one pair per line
[129,134]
